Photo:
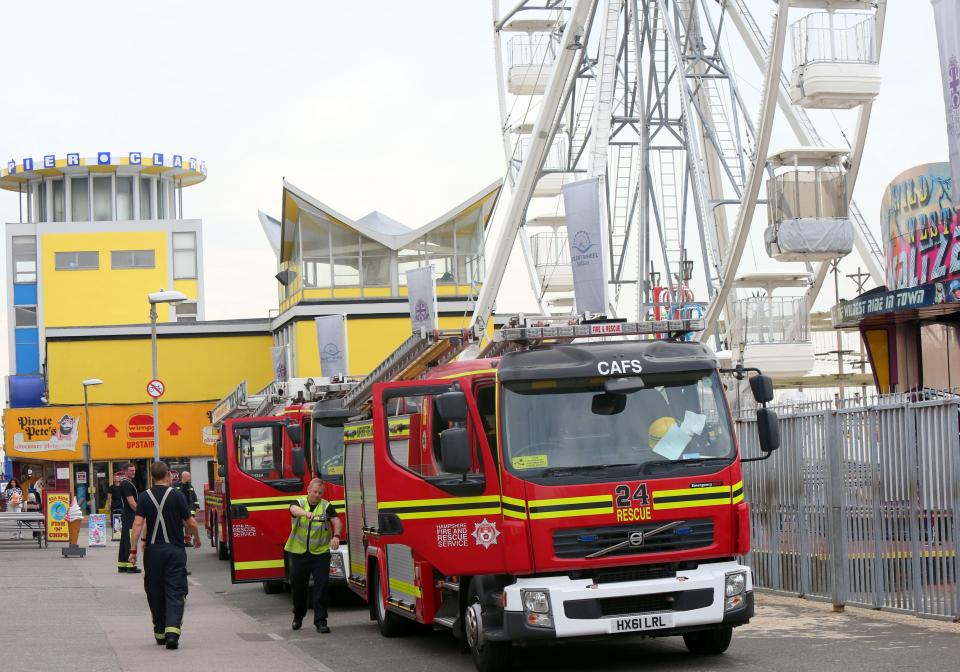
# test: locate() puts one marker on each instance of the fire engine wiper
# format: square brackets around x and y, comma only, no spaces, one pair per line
[692,462]
[566,471]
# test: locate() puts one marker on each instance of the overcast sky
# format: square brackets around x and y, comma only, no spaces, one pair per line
[366,105]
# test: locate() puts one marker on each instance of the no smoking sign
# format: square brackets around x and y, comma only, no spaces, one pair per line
[156,388]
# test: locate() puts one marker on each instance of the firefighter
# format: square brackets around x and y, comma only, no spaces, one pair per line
[314,530]
[128,498]
[165,513]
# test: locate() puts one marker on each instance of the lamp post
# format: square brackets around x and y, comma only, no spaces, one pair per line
[91,478]
[169,296]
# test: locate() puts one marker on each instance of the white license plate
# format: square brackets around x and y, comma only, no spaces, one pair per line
[640,623]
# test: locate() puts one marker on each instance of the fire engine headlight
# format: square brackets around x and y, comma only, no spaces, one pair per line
[537,601]
[736,584]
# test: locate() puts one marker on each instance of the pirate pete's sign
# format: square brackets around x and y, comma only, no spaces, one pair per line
[55,430]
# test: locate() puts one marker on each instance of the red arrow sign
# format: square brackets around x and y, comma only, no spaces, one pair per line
[174,429]
[111,431]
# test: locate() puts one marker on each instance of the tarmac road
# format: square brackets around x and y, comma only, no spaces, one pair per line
[81,614]
[787,634]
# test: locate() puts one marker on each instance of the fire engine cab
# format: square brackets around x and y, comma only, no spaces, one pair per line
[271,445]
[552,489]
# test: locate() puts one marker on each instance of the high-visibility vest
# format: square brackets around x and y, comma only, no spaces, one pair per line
[309,535]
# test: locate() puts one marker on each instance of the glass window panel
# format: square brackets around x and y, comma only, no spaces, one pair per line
[184,264]
[59,202]
[132,259]
[184,240]
[124,197]
[24,250]
[407,260]
[76,261]
[102,199]
[80,199]
[26,316]
[161,199]
[376,267]
[314,237]
[146,198]
[41,205]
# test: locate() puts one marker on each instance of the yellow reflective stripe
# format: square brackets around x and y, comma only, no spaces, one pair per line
[571,513]
[521,515]
[171,631]
[337,502]
[452,513]
[689,504]
[358,567]
[737,499]
[254,500]
[258,564]
[268,507]
[407,503]
[511,500]
[692,491]
[476,372]
[159,636]
[738,484]
[404,587]
[589,499]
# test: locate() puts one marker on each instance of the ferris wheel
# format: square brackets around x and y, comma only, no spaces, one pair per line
[710,125]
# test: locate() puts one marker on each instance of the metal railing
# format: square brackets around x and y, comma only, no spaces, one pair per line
[836,37]
[861,505]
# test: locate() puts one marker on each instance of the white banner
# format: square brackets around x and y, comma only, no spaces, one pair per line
[332,342]
[422,294]
[581,201]
[281,362]
[946,16]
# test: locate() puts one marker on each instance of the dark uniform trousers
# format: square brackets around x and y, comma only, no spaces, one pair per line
[123,555]
[302,565]
[165,582]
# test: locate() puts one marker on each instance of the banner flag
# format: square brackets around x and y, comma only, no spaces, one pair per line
[422,294]
[946,16]
[332,342]
[581,201]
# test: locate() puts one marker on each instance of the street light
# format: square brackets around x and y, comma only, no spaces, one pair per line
[169,296]
[91,479]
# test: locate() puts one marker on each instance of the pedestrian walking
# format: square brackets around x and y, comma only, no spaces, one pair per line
[162,515]
[314,530]
[13,494]
[128,498]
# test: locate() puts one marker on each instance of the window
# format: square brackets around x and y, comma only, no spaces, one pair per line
[328,451]
[186,311]
[415,436]
[132,259]
[80,199]
[77,261]
[24,259]
[184,255]
[26,316]
[59,202]
[146,198]
[260,452]
[103,198]
[161,199]
[124,197]
[41,193]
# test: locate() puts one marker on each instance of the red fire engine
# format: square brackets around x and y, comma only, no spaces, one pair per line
[271,445]
[552,489]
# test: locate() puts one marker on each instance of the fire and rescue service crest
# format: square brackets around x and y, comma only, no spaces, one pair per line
[485,533]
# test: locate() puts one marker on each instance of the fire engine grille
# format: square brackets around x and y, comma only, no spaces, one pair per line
[579,542]
[683,600]
[638,573]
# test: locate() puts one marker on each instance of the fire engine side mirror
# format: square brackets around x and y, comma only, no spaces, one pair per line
[295,434]
[222,450]
[451,406]
[455,450]
[768,429]
[299,461]
[762,388]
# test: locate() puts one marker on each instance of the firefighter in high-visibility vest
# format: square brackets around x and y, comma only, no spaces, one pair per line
[314,530]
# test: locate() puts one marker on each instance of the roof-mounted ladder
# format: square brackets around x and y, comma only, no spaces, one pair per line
[411,360]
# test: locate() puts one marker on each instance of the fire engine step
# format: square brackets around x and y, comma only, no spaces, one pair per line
[445,621]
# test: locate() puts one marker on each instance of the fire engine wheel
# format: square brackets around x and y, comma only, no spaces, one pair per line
[390,624]
[708,642]
[487,656]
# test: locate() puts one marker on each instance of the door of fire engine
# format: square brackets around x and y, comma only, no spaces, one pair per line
[266,473]
[438,494]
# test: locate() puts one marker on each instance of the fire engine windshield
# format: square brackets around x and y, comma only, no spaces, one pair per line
[575,426]
[328,451]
